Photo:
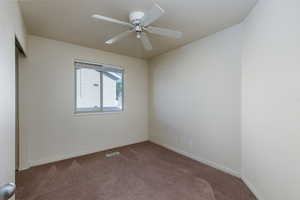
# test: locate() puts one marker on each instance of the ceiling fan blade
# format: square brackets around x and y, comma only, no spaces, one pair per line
[111,20]
[146,42]
[119,37]
[152,15]
[164,32]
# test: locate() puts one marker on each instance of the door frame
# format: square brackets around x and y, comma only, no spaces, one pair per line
[18,52]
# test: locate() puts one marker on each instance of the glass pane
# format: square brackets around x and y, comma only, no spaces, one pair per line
[87,90]
[112,91]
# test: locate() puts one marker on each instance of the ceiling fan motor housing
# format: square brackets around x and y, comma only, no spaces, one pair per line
[136,17]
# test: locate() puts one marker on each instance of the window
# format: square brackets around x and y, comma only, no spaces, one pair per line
[99,88]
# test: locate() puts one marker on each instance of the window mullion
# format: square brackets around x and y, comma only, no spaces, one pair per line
[101,90]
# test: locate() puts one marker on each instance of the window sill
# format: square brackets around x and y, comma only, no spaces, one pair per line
[78,114]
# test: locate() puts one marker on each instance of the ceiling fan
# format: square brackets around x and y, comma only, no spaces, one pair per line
[140,24]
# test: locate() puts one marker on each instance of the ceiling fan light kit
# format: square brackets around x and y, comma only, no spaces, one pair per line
[140,24]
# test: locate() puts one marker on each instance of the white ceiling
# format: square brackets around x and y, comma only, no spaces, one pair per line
[70,21]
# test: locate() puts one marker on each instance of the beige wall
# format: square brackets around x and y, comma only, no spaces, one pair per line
[52,131]
[271,100]
[195,100]
[11,25]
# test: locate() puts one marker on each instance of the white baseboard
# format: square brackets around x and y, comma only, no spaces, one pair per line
[21,168]
[205,161]
[56,158]
[252,188]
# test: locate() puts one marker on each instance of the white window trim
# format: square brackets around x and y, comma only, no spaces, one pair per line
[101,68]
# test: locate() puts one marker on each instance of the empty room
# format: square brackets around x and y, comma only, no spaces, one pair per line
[149,100]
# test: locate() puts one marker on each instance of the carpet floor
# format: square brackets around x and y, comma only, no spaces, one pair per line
[143,171]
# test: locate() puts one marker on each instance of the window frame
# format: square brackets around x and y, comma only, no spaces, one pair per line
[101,68]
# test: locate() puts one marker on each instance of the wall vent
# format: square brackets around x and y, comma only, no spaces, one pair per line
[111,154]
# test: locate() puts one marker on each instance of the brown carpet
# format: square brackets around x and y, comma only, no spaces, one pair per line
[143,171]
